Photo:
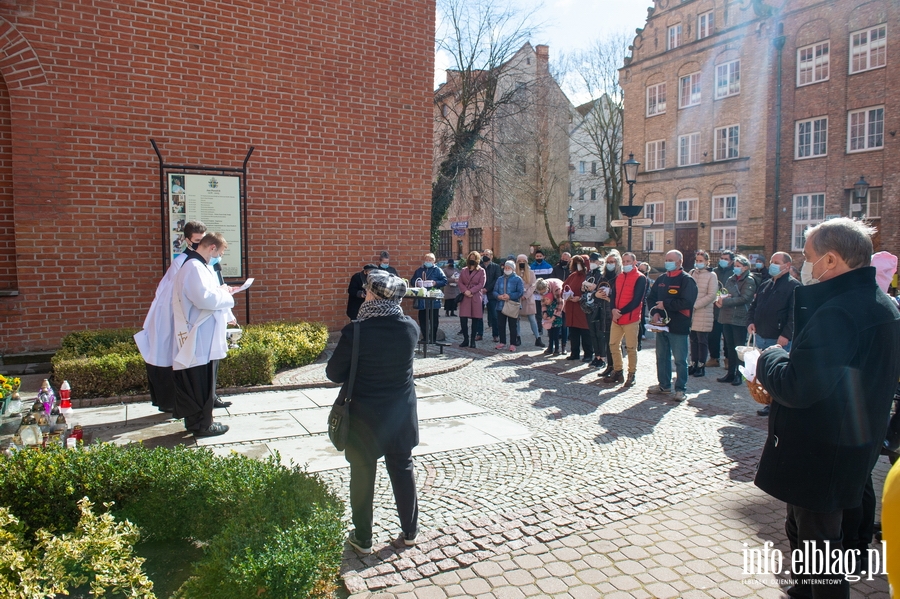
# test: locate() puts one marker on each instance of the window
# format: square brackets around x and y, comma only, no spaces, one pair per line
[813,64]
[689,90]
[476,203]
[654,211]
[445,110]
[475,244]
[809,210]
[869,208]
[593,194]
[728,79]
[656,99]
[704,25]
[727,142]
[865,129]
[581,194]
[686,211]
[868,49]
[593,221]
[594,167]
[674,39]
[689,149]
[723,238]
[812,138]
[580,220]
[582,167]
[655,156]
[445,244]
[653,240]
[724,208]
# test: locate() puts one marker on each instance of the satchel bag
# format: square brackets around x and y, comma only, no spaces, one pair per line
[339,417]
[587,301]
[510,307]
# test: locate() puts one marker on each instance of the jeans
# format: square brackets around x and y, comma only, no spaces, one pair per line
[762,343]
[670,346]
[504,321]
[491,311]
[699,347]
[400,468]
[806,525]
[535,327]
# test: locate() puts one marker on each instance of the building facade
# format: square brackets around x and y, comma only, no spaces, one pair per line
[587,186]
[335,97]
[754,122]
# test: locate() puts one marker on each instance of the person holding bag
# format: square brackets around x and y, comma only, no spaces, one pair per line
[508,291]
[471,292]
[576,319]
[383,421]
[733,310]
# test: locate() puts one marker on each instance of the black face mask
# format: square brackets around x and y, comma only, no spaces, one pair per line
[564,262]
[194,246]
[521,267]
[485,260]
[471,262]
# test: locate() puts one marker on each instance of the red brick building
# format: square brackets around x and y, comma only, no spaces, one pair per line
[334,95]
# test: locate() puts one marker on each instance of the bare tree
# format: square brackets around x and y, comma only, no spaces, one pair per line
[596,72]
[479,37]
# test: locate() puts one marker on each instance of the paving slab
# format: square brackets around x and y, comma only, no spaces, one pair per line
[272,401]
[255,427]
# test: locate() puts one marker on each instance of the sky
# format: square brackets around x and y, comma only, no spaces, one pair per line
[574,24]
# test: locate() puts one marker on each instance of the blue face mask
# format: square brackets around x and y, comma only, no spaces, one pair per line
[670,266]
[610,267]
[759,265]
[774,270]
[738,271]
[723,263]
[214,261]
[383,265]
[700,265]
[627,268]
[428,264]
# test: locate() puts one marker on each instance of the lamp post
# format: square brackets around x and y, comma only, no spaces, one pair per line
[860,191]
[571,213]
[630,169]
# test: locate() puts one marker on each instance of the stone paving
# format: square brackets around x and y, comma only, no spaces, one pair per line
[536,480]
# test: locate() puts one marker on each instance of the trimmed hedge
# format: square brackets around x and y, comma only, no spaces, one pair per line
[270,531]
[106,362]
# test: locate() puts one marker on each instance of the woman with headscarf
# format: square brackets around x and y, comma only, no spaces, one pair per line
[508,288]
[383,417]
[529,307]
[471,292]
[576,319]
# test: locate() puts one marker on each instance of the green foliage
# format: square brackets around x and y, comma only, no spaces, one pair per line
[98,343]
[247,365]
[272,531]
[294,343]
[99,554]
[102,376]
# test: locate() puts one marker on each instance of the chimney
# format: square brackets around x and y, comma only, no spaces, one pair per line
[543,59]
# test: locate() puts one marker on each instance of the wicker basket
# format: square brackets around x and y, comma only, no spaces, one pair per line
[758,393]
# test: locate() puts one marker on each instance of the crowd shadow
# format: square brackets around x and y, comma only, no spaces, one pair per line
[637,421]
[743,454]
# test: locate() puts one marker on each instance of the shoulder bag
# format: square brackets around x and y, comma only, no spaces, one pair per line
[339,417]
[510,307]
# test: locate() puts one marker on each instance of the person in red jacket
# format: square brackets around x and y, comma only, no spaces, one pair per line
[576,319]
[627,297]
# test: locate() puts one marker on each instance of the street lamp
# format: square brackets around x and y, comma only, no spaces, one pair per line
[571,213]
[630,169]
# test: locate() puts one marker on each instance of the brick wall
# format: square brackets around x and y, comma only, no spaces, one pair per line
[334,95]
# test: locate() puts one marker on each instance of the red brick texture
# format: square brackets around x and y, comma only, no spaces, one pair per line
[335,95]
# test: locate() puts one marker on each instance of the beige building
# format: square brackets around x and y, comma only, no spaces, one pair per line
[516,193]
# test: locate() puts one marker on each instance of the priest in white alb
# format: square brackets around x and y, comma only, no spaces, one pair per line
[201,308]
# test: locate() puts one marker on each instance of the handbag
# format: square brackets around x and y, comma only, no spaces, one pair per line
[587,301]
[510,307]
[742,350]
[339,417]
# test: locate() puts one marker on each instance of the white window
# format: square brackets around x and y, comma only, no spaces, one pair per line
[728,79]
[724,207]
[704,25]
[728,142]
[723,238]
[582,167]
[813,63]
[593,194]
[689,149]
[655,156]
[689,90]
[674,39]
[865,129]
[581,194]
[869,208]
[656,99]
[654,211]
[809,210]
[653,240]
[593,221]
[868,49]
[686,211]
[812,138]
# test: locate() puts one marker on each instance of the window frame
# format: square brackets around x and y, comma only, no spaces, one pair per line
[659,208]
[812,138]
[593,221]
[581,221]
[725,209]
[814,67]
[656,94]
[724,231]
[690,148]
[732,79]
[868,133]
[693,205]
[863,212]
[593,194]
[655,153]
[868,49]
[727,147]
[581,193]
[678,31]
[658,240]
[810,221]
[705,27]
[691,85]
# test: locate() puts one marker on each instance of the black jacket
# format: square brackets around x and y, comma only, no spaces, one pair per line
[772,310]
[561,271]
[383,415]
[832,394]
[354,299]
[492,273]
[603,313]
[678,295]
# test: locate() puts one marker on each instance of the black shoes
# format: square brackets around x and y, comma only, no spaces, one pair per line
[597,363]
[364,547]
[572,358]
[728,378]
[465,342]
[548,351]
[218,403]
[700,371]
[609,370]
[587,359]
[615,377]
[539,342]
[213,430]
[692,369]
[738,380]
[763,412]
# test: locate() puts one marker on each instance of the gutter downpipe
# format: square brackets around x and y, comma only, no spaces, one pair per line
[778,42]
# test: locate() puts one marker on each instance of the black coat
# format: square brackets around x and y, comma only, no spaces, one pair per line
[678,295]
[492,273]
[832,394]
[383,415]
[356,292]
[772,310]
[561,271]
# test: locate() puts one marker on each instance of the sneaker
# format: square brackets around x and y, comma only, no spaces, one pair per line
[364,547]
[500,346]
[678,396]
[712,362]
[213,430]
[410,539]
[657,390]
[512,348]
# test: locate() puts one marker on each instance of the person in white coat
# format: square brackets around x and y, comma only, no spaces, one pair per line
[201,308]
[155,341]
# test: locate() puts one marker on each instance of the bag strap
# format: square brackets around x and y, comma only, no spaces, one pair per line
[354,359]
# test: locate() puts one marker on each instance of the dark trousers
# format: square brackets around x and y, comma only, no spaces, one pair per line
[504,322]
[734,335]
[162,387]
[424,315]
[401,469]
[450,306]
[553,334]
[491,311]
[714,338]
[464,325]
[858,524]
[599,338]
[195,392]
[805,525]
[699,347]
[580,337]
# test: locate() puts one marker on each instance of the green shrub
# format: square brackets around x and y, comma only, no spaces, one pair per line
[247,365]
[294,343]
[97,343]
[102,376]
[272,531]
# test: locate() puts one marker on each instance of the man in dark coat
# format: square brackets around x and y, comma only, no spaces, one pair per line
[356,291]
[492,272]
[832,394]
[383,417]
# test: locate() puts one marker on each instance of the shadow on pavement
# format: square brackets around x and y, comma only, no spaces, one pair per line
[637,421]
[743,454]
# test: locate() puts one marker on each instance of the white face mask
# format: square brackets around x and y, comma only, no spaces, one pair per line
[806,272]
[594,266]
[507,272]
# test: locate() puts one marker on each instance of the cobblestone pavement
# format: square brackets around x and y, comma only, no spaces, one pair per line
[600,462]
